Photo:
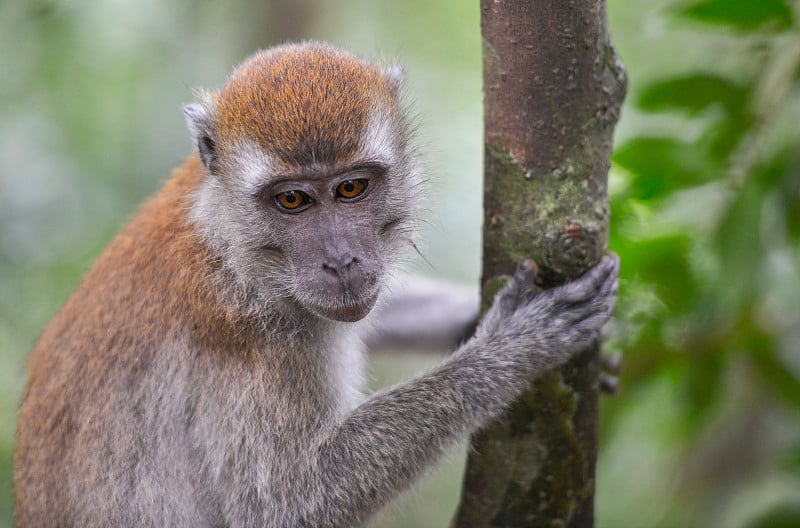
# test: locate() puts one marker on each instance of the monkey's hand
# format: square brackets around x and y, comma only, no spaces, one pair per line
[543,329]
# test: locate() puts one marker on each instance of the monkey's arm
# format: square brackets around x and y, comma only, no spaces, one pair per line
[386,443]
[423,313]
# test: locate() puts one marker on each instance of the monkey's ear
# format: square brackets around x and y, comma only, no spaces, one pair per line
[198,119]
[395,74]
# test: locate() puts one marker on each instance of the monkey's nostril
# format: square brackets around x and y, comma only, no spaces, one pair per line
[339,266]
[333,270]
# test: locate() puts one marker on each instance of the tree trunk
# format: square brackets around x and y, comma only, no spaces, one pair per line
[553,91]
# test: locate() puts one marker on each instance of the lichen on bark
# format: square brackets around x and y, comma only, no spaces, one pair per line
[558,219]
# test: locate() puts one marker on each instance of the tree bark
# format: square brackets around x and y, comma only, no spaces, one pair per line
[553,91]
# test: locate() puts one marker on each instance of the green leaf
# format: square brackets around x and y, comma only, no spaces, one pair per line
[694,93]
[662,165]
[743,15]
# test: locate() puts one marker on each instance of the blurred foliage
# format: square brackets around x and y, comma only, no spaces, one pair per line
[705,217]
[705,190]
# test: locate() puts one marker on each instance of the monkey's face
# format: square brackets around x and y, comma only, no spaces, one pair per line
[312,182]
[329,229]
[320,237]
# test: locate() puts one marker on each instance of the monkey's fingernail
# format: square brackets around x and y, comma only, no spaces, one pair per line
[611,258]
[609,384]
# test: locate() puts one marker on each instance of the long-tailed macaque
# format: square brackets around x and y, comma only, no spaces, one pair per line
[206,373]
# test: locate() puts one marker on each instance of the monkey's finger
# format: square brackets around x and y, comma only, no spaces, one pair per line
[609,290]
[603,300]
[592,282]
[609,384]
[506,300]
[611,282]
[580,338]
[517,289]
[611,362]
[586,313]
[610,270]
[595,312]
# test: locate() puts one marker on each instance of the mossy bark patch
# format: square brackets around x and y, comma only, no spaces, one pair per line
[559,219]
[537,466]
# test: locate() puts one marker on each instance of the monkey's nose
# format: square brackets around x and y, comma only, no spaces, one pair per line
[339,266]
[350,277]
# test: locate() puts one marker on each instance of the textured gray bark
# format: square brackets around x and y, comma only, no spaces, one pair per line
[553,90]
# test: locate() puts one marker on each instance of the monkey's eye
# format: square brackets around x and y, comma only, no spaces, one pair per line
[351,189]
[291,200]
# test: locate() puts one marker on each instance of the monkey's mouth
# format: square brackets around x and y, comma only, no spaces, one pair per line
[347,310]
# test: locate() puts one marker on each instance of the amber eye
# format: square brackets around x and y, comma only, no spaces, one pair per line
[350,189]
[292,199]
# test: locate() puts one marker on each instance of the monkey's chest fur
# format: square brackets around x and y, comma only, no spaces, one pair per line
[161,434]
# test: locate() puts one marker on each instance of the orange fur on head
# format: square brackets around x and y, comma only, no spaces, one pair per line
[302,103]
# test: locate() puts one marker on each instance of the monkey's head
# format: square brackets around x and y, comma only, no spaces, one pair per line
[311,180]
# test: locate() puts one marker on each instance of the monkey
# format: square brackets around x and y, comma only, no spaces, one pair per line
[206,371]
